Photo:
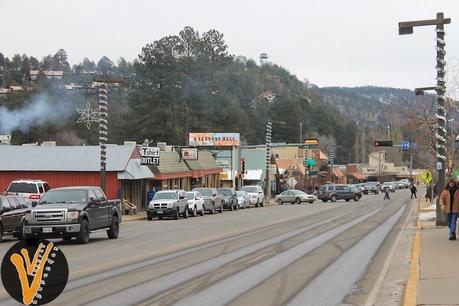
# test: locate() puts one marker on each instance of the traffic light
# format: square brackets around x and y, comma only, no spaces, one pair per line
[242,165]
[383,143]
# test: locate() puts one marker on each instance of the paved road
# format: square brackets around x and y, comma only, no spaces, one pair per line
[309,254]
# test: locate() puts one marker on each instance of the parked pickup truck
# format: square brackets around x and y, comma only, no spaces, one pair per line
[73,212]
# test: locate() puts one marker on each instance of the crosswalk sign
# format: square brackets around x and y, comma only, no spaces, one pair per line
[426,176]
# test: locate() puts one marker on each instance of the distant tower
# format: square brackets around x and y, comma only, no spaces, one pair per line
[263,58]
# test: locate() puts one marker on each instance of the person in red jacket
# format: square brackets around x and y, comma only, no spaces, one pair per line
[449,202]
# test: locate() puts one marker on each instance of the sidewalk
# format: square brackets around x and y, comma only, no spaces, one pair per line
[437,262]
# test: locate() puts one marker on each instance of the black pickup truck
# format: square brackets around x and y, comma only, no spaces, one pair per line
[73,212]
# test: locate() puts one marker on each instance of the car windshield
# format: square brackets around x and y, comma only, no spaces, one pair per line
[206,192]
[67,196]
[240,193]
[249,188]
[190,195]
[166,196]
[23,188]
[225,192]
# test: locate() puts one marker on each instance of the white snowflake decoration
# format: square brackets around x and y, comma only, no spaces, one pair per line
[88,115]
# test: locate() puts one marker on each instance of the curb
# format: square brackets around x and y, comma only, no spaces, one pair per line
[411,292]
[136,218]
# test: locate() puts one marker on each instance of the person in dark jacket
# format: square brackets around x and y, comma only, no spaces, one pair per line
[151,194]
[413,191]
[449,202]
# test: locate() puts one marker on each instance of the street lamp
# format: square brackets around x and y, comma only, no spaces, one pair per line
[441,135]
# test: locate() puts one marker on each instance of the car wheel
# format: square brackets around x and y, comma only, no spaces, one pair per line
[297,201]
[325,201]
[177,214]
[20,232]
[280,202]
[221,208]
[1,232]
[212,211]
[160,218]
[185,213]
[83,235]
[201,212]
[356,198]
[310,202]
[333,198]
[347,200]
[256,204]
[149,218]
[195,212]
[231,207]
[114,230]
[236,207]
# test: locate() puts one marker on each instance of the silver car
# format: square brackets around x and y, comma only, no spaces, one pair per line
[295,196]
[243,200]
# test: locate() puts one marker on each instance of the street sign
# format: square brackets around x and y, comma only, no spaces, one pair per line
[405,145]
[149,156]
[291,182]
[426,176]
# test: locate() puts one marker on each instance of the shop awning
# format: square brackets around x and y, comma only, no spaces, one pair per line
[357,175]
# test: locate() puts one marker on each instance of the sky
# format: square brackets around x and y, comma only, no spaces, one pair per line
[328,42]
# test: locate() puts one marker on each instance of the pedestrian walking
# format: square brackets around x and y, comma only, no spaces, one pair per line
[429,194]
[414,190]
[386,193]
[449,202]
[151,194]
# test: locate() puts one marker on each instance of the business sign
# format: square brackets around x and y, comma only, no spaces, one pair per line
[149,156]
[311,141]
[214,139]
[189,154]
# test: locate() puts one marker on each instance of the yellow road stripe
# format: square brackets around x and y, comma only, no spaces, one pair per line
[411,291]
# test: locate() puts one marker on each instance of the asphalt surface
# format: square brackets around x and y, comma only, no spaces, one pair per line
[308,254]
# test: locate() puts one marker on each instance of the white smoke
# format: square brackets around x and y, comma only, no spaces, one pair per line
[38,111]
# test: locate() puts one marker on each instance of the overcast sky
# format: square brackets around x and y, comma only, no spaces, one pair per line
[330,43]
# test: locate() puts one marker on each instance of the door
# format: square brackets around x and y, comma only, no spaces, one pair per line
[16,210]
[340,192]
[94,210]
[7,215]
[104,208]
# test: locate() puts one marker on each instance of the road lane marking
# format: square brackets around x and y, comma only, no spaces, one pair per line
[238,283]
[340,277]
[382,275]
[143,291]
[411,291]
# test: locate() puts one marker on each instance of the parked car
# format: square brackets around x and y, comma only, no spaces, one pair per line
[243,199]
[295,196]
[389,185]
[30,190]
[13,209]
[361,187]
[168,203]
[229,198]
[256,194]
[212,200]
[73,212]
[195,203]
[373,187]
[334,192]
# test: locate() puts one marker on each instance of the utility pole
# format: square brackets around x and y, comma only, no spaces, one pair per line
[441,135]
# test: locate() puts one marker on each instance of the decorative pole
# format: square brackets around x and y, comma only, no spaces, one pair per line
[268,157]
[103,133]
